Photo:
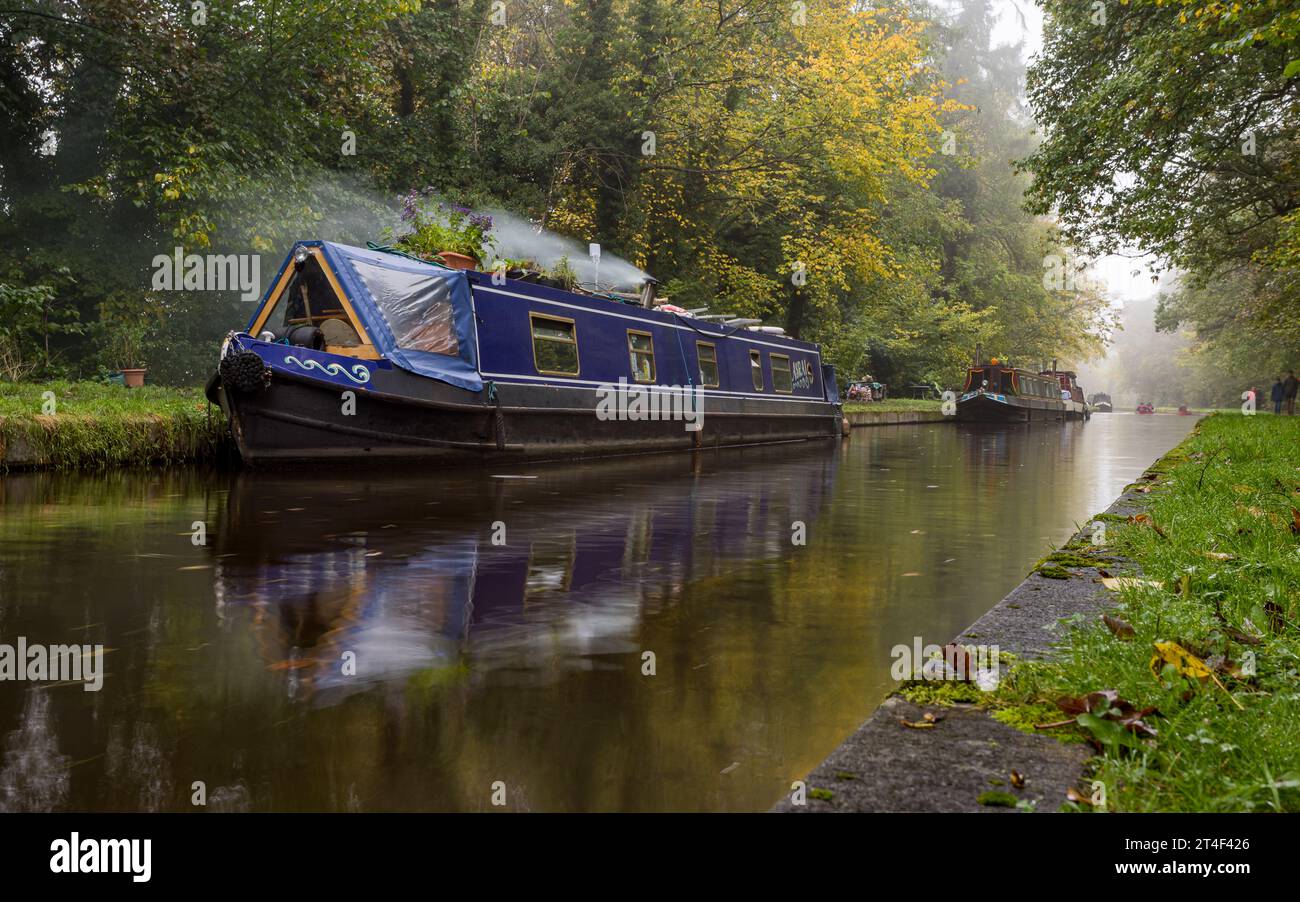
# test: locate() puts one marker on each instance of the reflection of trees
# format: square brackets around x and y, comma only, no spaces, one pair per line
[34,776]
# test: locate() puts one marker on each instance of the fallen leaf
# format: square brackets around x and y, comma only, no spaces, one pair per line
[1145,520]
[915,726]
[1129,582]
[1187,664]
[1075,796]
[1120,628]
[1106,705]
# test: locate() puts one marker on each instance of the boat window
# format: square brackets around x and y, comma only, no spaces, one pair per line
[756,369]
[641,347]
[708,355]
[416,306]
[781,379]
[555,345]
[310,300]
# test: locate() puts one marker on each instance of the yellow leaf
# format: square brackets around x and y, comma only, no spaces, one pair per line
[1187,664]
[1128,582]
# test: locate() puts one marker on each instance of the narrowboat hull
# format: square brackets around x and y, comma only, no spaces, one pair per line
[398,415]
[994,407]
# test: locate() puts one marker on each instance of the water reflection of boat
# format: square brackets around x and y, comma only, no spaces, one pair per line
[411,576]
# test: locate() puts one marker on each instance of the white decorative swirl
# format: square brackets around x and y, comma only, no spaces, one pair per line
[359,374]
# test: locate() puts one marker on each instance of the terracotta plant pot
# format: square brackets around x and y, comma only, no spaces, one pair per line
[457,261]
[134,378]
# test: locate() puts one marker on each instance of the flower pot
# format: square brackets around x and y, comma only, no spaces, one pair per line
[134,378]
[457,261]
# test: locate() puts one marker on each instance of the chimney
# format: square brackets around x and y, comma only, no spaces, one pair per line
[648,292]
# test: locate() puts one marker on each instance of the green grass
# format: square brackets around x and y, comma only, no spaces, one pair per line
[1230,488]
[96,425]
[893,405]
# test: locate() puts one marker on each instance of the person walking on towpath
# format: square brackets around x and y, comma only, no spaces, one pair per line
[1291,385]
[1277,394]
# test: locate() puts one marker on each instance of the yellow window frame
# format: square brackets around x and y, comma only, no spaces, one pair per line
[365,350]
[534,339]
[634,351]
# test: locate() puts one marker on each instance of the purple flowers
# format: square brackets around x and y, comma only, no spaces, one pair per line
[457,215]
[430,226]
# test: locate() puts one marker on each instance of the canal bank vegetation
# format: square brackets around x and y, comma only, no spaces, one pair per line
[1189,687]
[894,405]
[91,424]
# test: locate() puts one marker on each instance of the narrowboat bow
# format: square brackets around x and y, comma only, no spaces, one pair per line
[356,353]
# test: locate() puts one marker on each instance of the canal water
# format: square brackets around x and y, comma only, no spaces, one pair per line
[638,634]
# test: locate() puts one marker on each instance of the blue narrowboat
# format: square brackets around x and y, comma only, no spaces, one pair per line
[359,353]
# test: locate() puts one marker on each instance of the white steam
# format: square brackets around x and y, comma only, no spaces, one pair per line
[519,239]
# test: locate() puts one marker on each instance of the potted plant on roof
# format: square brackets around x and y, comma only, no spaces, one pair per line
[450,234]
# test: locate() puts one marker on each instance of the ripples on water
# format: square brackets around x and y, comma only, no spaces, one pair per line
[500,625]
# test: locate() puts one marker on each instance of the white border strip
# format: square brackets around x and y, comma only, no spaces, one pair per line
[593,385]
[643,321]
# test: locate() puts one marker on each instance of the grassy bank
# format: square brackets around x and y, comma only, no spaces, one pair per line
[893,405]
[96,425]
[1219,553]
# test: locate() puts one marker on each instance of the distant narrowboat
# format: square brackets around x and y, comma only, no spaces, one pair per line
[996,392]
[356,353]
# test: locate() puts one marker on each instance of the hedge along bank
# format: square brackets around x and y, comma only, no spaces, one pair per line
[91,425]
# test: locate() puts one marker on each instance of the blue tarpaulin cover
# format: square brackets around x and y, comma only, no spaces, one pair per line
[418,315]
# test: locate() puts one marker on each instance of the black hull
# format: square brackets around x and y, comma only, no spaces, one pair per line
[301,419]
[985,409]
